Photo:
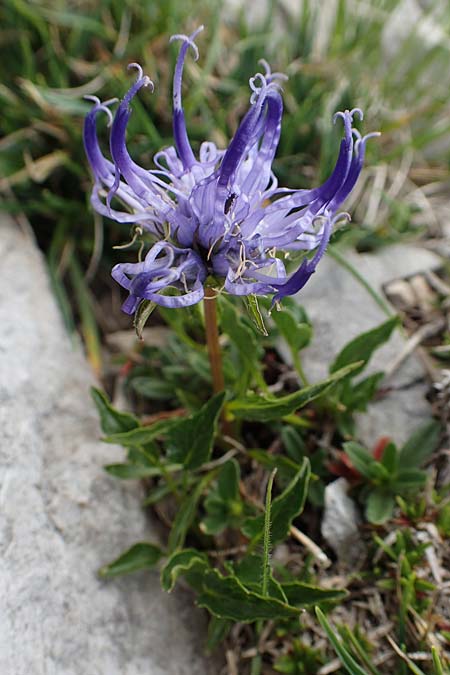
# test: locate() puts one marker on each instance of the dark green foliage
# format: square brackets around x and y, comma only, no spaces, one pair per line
[396,473]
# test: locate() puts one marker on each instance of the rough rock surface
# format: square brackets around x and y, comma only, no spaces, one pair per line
[340,308]
[61,516]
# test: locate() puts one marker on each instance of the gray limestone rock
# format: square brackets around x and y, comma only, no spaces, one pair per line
[340,309]
[62,517]
[340,524]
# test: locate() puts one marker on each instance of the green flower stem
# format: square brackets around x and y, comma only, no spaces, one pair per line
[341,260]
[256,666]
[267,524]
[212,340]
[299,367]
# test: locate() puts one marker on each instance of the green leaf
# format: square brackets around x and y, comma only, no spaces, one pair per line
[228,481]
[227,598]
[141,435]
[138,557]
[190,441]
[357,396]
[409,479]
[111,420]
[360,458]
[138,471]
[285,465]
[297,335]
[245,342]
[423,442]
[363,346]
[218,629]
[142,315]
[379,506]
[344,655]
[264,408]
[293,443]
[298,593]
[251,303]
[181,563]
[438,667]
[287,506]
[153,388]
[390,459]
[186,514]
[223,504]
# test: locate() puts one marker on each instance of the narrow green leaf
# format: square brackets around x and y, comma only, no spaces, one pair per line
[408,479]
[141,435]
[390,459]
[227,598]
[264,409]
[218,629]
[186,514]
[345,657]
[360,458]
[298,593]
[266,569]
[423,442]
[142,315]
[363,346]
[251,303]
[228,481]
[190,441]
[138,471]
[180,563]
[438,668]
[153,388]
[287,506]
[284,464]
[357,396]
[112,421]
[138,557]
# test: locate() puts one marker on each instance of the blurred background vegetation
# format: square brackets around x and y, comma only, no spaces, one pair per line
[390,58]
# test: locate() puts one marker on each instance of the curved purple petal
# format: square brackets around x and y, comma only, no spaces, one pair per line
[299,278]
[179,124]
[165,266]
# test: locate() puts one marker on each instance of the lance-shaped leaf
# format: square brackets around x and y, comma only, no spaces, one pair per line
[112,421]
[344,655]
[252,306]
[285,508]
[138,557]
[264,408]
[186,514]
[304,595]
[141,435]
[420,445]
[363,346]
[190,441]
[227,598]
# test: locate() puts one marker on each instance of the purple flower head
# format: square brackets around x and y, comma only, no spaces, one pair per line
[220,214]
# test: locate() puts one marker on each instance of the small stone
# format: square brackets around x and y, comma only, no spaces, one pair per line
[425,297]
[340,524]
[400,294]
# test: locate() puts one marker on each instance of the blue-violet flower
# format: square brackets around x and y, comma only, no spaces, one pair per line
[221,214]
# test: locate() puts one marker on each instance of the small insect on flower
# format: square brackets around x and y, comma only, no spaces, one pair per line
[221,214]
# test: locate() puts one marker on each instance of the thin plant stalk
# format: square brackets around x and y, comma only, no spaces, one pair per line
[212,340]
